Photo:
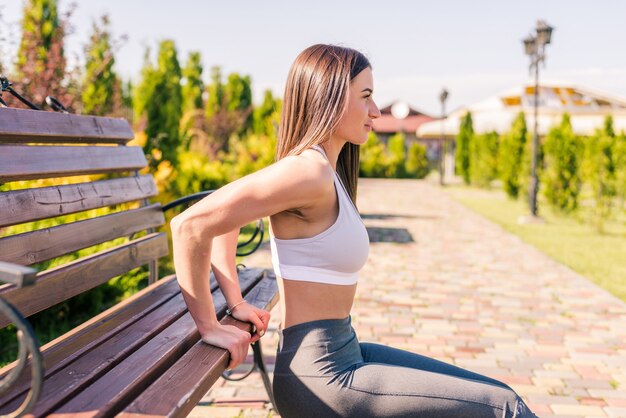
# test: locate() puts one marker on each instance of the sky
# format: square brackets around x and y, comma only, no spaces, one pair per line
[472,48]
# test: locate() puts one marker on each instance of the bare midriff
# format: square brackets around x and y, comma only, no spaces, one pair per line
[308,301]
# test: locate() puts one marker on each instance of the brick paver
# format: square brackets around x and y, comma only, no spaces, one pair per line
[467,292]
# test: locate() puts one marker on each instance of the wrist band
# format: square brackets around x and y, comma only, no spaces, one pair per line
[229,311]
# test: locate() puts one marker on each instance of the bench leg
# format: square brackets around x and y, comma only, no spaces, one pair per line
[260,364]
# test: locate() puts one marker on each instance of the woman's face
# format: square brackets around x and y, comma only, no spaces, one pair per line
[356,123]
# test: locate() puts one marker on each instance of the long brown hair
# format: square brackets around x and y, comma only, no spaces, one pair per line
[315,99]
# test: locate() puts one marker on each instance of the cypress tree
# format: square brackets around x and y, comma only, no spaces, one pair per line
[561,175]
[238,94]
[261,115]
[599,170]
[462,154]
[164,107]
[192,124]
[511,153]
[194,87]
[396,156]
[101,87]
[228,108]
[142,93]
[41,64]
[483,154]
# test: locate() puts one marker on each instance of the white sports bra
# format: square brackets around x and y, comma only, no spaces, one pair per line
[333,256]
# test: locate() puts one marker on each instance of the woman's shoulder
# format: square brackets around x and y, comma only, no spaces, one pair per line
[309,168]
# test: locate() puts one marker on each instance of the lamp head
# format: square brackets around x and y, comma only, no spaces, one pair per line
[544,32]
[443,95]
[530,45]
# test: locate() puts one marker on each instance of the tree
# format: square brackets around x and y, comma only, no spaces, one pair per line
[228,108]
[193,87]
[620,167]
[142,93]
[599,168]
[164,107]
[41,64]
[396,156]
[192,124]
[463,140]
[417,161]
[511,154]
[373,162]
[484,158]
[561,175]
[262,115]
[101,88]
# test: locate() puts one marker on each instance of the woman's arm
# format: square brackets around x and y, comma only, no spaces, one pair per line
[223,265]
[293,182]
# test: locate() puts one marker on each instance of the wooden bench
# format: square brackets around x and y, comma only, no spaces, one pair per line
[144,355]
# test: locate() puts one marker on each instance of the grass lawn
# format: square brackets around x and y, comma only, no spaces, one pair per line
[599,257]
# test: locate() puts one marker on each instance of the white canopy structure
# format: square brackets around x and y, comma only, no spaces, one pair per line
[587,108]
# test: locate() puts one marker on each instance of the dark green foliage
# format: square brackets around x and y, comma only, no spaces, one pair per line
[484,157]
[511,156]
[143,91]
[164,107]
[463,152]
[194,87]
[101,87]
[561,178]
[192,124]
[599,169]
[228,109]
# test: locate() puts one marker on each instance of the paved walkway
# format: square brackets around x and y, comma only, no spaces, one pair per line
[469,293]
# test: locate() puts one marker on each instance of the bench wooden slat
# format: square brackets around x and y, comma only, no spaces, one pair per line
[45,244]
[130,357]
[31,126]
[21,162]
[63,282]
[202,365]
[76,376]
[19,206]
[73,344]
[124,382]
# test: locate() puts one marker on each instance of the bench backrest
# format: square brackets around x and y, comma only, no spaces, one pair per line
[55,146]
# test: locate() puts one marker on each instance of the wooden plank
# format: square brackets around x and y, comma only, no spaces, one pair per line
[94,332]
[22,162]
[60,283]
[59,387]
[201,366]
[20,126]
[114,391]
[128,359]
[75,343]
[19,206]
[45,244]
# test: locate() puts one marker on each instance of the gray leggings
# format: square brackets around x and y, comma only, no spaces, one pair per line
[322,371]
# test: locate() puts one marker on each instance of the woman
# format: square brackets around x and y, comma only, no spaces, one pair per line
[319,244]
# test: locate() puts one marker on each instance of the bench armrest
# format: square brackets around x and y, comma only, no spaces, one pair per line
[18,275]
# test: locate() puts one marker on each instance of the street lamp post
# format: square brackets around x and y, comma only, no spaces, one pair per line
[534,47]
[442,149]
